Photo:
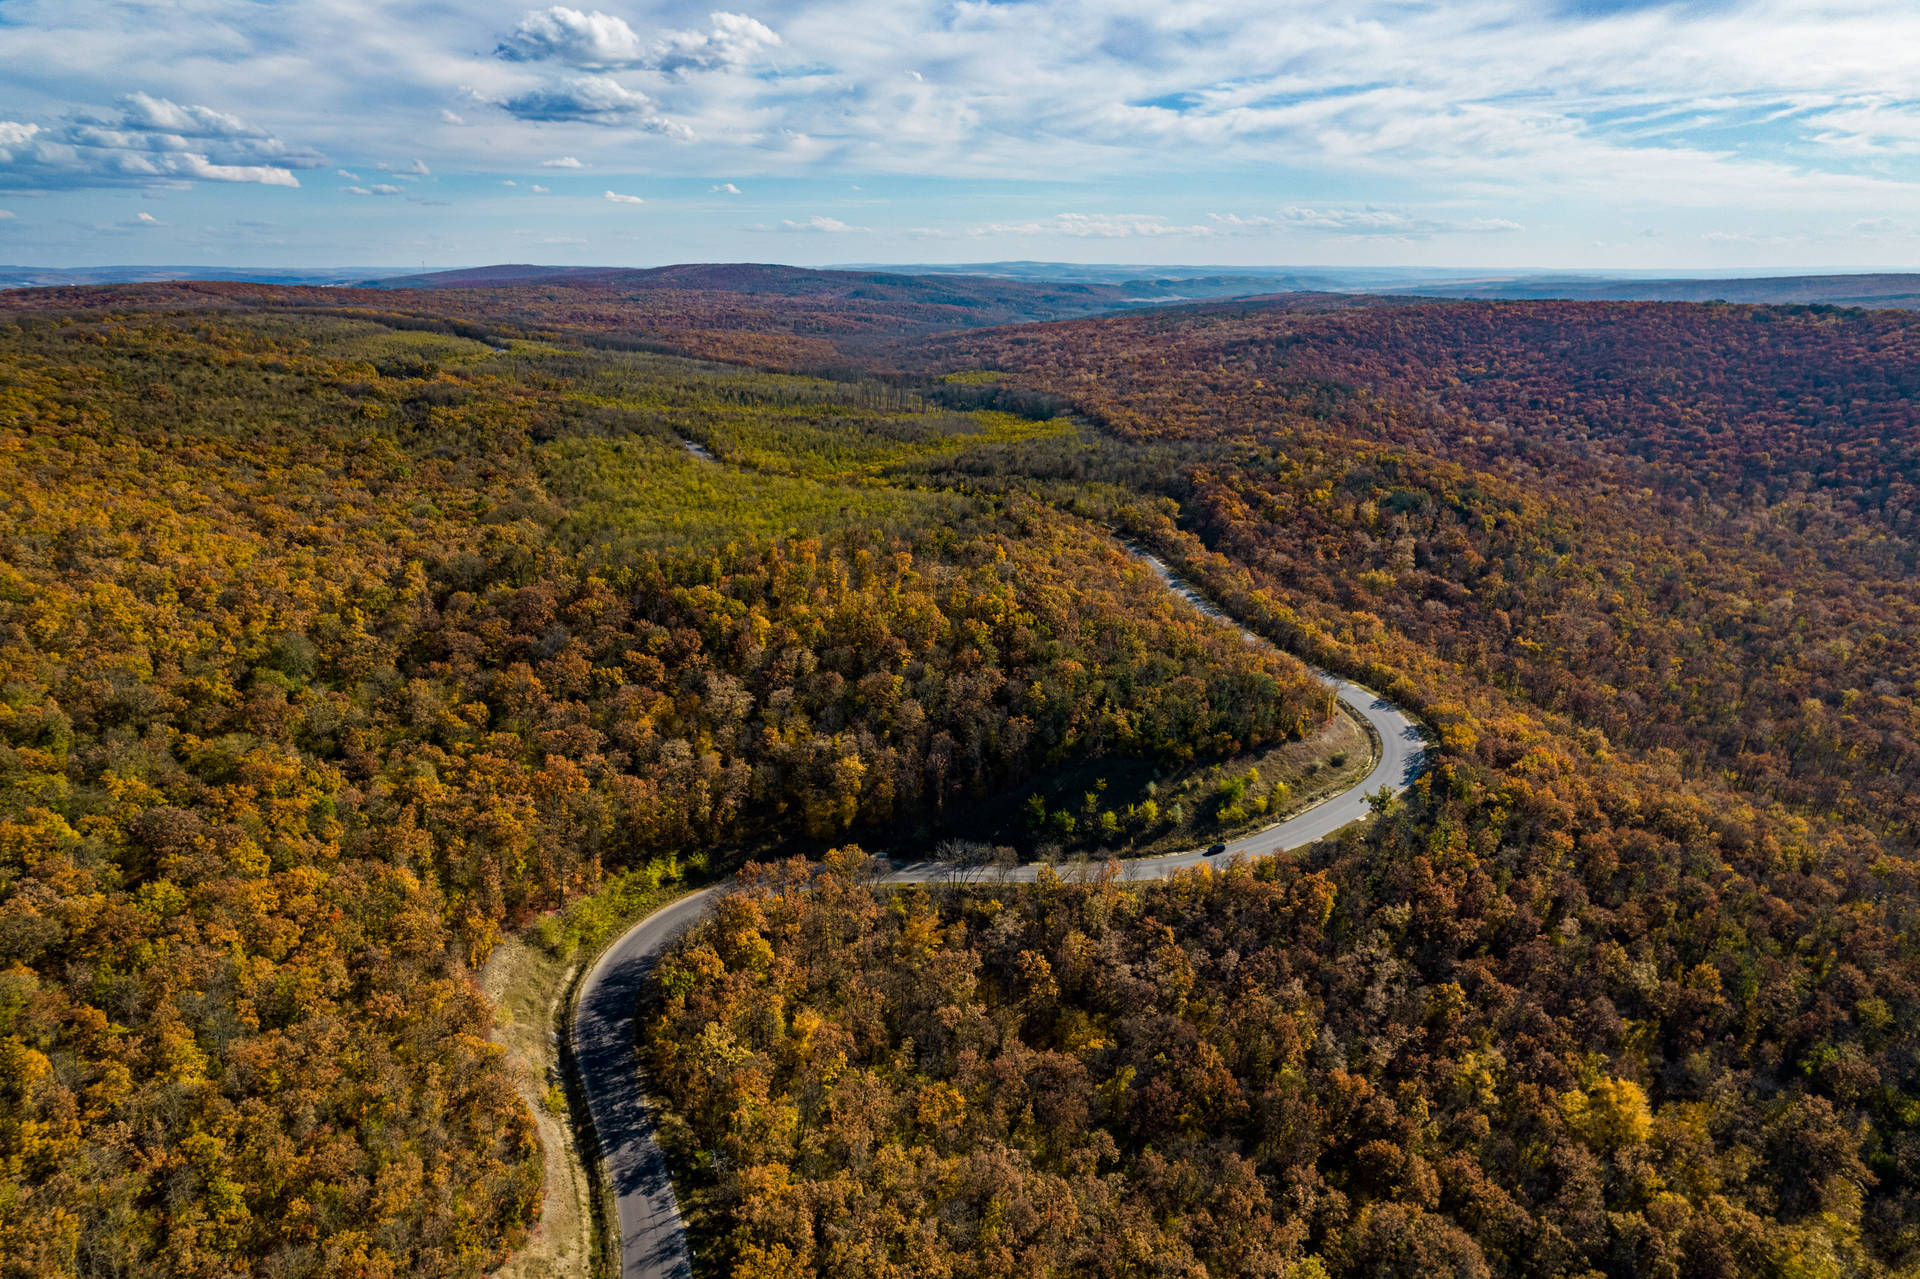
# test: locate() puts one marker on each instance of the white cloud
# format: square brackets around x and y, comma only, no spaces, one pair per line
[1873,127]
[15,136]
[1105,226]
[150,141]
[596,99]
[583,97]
[6,215]
[382,189]
[1745,238]
[614,197]
[1581,120]
[157,115]
[537,189]
[415,168]
[829,226]
[724,188]
[451,117]
[562,162]
[1366,221]
[567,35]
[1354,222]
[732,40]
[508,182]
[135,225]
[351,177]
[604,42]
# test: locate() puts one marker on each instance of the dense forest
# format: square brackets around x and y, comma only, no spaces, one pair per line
[1626,986]
[331,648]
[341,631]
[1691,527]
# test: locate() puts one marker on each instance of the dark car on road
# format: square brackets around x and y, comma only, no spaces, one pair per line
[1216,850]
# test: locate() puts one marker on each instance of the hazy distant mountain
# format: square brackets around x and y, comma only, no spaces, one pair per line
[31,277]
[1167,283]
[995,293]
[1866,290]
[942,301]
[1863,289]
[1006,292]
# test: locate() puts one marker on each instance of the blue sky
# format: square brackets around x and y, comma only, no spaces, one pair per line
[1588,134]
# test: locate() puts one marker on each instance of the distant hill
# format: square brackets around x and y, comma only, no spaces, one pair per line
[970,295]
[1174,283]
[756,313]
[1889,289]
[1165,283]
[42,277]
[996,300]
[847,321]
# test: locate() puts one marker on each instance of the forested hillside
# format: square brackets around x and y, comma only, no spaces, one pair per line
[342,631]
[329,649]
[1692,527]
[1625,987]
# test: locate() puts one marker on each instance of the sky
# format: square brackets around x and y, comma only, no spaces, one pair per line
[1532,134]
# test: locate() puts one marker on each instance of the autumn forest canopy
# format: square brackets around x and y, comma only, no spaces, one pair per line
[343,634]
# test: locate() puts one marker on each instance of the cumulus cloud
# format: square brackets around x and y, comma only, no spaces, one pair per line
[382,189]
[1763,114]
[415,168]
[537,189]
[562,162]
[604,42]
[15,136]
[614,197]
[6,215]
[567,35]
[598,99]
[148,140]
[158,115]
[451,117]
[146,219]
[723,188]
[733,40]
[1342,93]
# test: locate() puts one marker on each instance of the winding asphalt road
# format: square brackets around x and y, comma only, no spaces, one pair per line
[653,1241]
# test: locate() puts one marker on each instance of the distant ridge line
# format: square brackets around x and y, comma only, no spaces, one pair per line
[1045,290]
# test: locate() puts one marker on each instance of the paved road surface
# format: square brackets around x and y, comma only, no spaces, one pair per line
[653,1243]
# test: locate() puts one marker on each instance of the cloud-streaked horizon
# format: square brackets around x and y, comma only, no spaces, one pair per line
[1609,133]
